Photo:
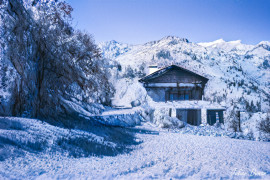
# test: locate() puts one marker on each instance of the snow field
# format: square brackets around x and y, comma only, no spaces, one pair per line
[161,155]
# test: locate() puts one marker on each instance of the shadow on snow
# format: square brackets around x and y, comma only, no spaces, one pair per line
[115,140]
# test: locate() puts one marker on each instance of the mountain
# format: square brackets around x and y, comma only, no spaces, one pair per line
[238,73]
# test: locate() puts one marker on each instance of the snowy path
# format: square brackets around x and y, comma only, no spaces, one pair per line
[164,156]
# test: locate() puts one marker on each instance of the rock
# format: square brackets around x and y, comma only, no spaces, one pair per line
[177,123]
[135,103]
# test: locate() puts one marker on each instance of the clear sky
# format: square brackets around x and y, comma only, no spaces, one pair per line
[140,21]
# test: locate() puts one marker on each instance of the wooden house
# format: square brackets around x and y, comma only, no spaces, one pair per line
[174,84]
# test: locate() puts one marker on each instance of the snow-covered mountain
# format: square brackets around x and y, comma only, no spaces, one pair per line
[239,73]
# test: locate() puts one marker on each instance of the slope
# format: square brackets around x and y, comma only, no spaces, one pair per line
[164,156]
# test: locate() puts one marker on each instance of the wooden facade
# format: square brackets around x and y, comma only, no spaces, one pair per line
[174,83]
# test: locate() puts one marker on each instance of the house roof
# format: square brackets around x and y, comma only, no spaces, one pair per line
[162,71]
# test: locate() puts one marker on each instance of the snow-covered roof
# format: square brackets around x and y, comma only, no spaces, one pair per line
[166,69]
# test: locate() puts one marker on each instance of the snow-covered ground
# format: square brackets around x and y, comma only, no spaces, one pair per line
[161,154]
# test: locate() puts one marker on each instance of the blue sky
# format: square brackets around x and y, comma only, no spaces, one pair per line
[140,21]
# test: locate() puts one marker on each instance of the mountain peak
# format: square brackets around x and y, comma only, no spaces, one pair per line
[235,42]
[219,42]
[206,44]
[111,43]
[265,43]
[175,38]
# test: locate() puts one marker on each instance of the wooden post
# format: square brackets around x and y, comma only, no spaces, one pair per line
[239,122]
[170,112]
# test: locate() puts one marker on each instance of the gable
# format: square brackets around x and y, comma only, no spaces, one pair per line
[174,74]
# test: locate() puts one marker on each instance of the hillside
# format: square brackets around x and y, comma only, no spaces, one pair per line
[239,73]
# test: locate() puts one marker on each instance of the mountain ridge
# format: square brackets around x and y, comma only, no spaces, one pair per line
[237,72]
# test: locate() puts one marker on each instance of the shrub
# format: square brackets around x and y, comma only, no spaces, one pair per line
[9,124]
[85,146]
[265,125]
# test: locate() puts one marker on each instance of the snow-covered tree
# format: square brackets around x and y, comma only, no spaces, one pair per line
[54,62]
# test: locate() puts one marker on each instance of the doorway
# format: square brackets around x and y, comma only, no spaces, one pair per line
[190,116]
[214,115]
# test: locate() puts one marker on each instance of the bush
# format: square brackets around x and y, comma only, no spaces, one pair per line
[10,125]
[14,147]
[85,146]
[265,125]
[36,146]
[164,54]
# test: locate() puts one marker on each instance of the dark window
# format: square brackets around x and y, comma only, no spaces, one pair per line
[180,95]
[171,97]
[190,116]
[213,116]
[175,96]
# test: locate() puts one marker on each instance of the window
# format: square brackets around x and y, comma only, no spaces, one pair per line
[214,115]
[179,95]
[173,96]
[182,97]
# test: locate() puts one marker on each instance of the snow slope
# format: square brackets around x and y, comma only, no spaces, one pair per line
[161,155]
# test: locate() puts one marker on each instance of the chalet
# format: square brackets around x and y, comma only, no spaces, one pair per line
[181,91]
